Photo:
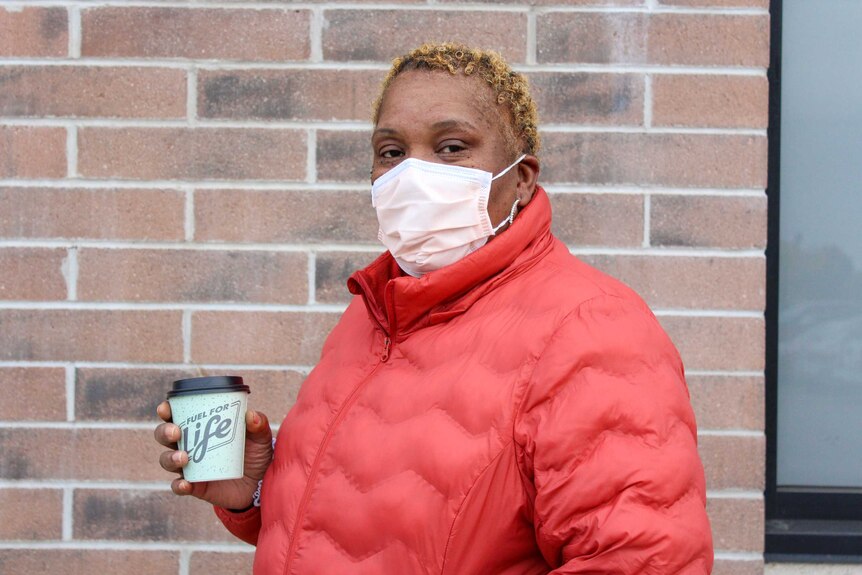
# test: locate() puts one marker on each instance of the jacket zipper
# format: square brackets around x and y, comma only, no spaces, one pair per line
[312,476]
[384,357]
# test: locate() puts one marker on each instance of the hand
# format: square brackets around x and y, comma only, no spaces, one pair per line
[231,493]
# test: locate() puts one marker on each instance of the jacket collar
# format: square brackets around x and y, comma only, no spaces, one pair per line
[401,304]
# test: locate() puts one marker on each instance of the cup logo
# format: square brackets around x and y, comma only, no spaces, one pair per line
[207,431]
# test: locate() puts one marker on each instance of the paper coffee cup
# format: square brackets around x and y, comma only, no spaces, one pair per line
[210,412]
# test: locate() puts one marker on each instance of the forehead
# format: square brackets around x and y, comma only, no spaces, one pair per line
[430,96]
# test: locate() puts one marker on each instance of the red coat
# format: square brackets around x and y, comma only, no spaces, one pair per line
[517,413]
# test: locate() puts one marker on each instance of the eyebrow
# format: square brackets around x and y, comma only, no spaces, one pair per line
[448,124]
[437,126]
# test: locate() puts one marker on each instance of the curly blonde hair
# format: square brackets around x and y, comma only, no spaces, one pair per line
[511,88]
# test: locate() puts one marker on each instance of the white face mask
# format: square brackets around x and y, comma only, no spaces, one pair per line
[432,215]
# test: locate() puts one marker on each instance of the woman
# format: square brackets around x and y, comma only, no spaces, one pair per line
[488,404]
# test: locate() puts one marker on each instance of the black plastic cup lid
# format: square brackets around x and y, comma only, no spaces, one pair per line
[209,384]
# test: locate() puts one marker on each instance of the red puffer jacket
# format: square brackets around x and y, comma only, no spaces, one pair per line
[517,412]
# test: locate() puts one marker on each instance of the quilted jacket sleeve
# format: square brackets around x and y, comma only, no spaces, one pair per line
[608,448]
[244,525]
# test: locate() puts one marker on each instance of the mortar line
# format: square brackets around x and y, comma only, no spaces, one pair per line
[532,42]
[710,313]
[126,546]
[365,66]
[300,369]
[352,126]
[650,6]
[312,279]
[311,156]
[751,433]
[206,246]
[364,248]
[187,336]
[189,219]
[185,560]
[68,514]
[71,150]
[315,30]
[648,101]
[70,392]
[647,217]
[325,187]
[74,16]
[171,306]
[192,96]
[69,270]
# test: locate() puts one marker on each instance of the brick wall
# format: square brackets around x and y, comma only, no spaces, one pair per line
[183,190]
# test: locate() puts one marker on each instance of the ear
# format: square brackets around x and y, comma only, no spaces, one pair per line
[528,177]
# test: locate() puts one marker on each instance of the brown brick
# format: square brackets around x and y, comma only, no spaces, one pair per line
[32,274]
[598,219]
[718,343]
[215,563]
[88,561]
[710,101]
[380,35]
[288,94]
[81,454]
[718,3]
[587,98]
[332,270]
[713,40]
[344,156]
[90,335]
[738,567]
[33,394]
[180,153]
[32,152]
[708,221]
[34,32]
[727,402]
[128,515]
[31,514]
[560,2]
[192,275]
[197,33]
[92,214]
[690,282]
[632,38]
[260,337]
[285,216]
[733,462]
[104,92]
[114,394]
[737,524]
[695,160]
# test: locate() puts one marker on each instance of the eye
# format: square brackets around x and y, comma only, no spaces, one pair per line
[391,152]
[452,147]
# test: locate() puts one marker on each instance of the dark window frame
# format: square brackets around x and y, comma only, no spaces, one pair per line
[811,525]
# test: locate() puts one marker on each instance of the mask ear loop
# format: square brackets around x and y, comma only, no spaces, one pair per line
[509,219]
[512,165]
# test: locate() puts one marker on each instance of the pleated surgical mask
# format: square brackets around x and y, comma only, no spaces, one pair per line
[432,215]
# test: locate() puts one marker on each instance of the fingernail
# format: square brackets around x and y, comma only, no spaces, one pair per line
[177,457]
[256,418]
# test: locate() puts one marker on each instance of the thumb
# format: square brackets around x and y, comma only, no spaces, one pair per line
[257,427]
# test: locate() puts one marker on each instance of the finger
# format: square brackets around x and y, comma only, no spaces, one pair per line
[167,434]
[257,427]
[181,487]
[164,411]
[173,461]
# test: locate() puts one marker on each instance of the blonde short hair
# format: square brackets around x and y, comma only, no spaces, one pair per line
[511,88]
